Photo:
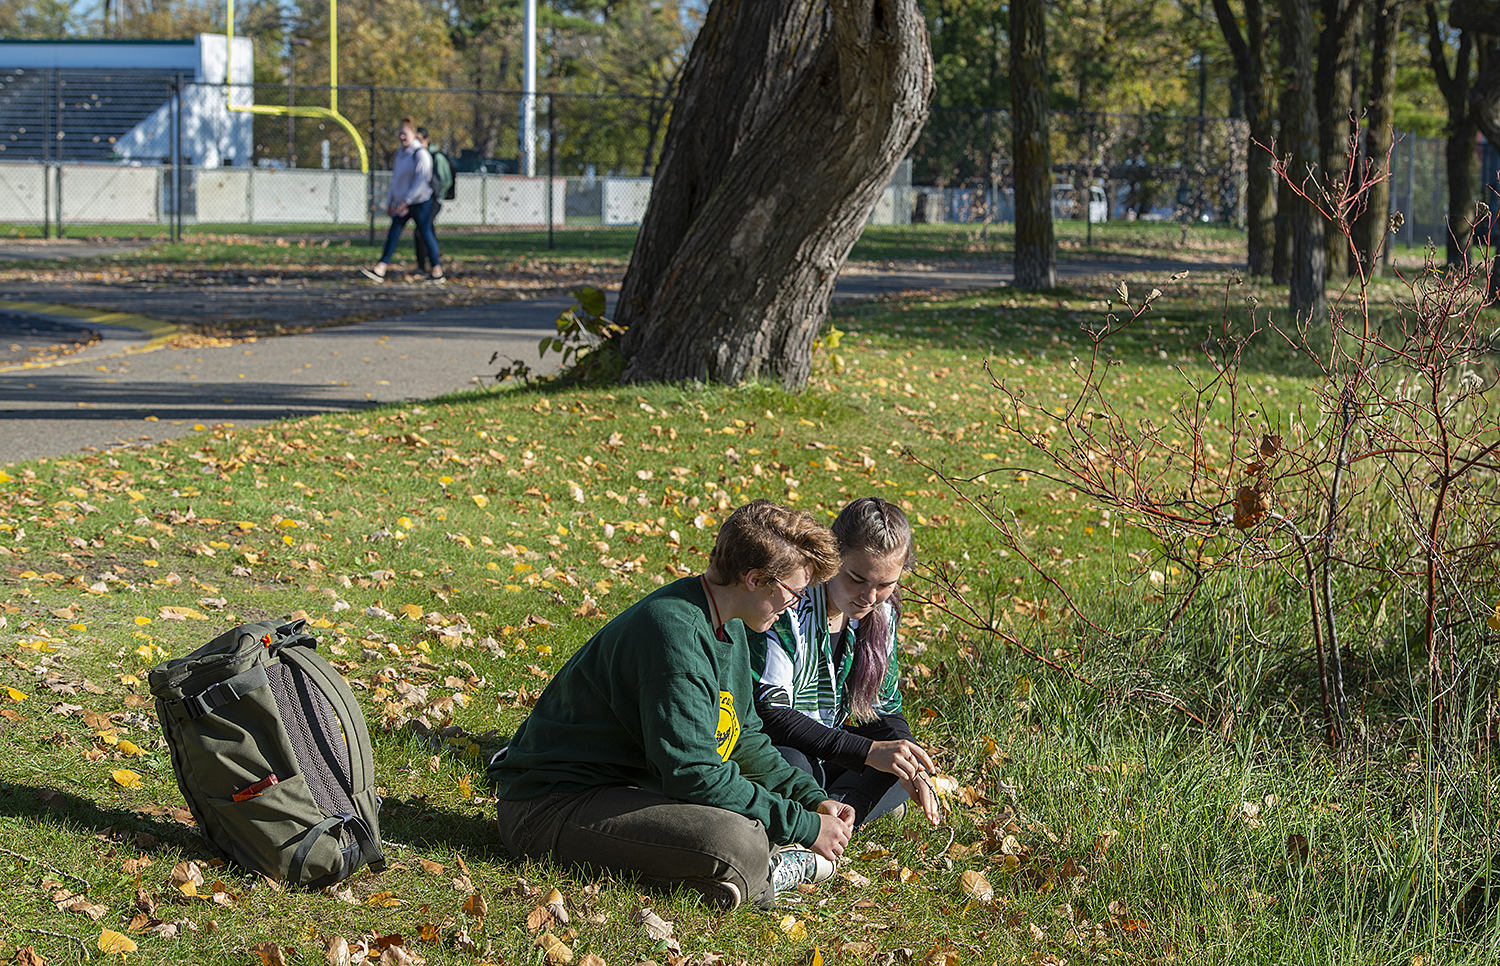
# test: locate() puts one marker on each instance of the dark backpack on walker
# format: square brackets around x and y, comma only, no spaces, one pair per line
[272,754]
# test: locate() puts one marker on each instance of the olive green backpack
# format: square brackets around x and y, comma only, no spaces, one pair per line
[272,754]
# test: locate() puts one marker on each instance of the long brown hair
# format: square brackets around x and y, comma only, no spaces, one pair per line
[877,527]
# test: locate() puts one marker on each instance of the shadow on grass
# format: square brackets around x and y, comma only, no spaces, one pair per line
[412,821]
[35,805]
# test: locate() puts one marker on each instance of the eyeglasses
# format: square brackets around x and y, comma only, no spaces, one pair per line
[797,595]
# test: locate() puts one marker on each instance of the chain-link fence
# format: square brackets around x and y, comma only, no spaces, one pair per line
[1105,167]
[81,147]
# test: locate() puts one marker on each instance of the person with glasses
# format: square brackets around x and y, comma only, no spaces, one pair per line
[644,754]
[827,673]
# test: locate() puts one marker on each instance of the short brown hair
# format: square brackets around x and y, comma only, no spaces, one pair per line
[764,536]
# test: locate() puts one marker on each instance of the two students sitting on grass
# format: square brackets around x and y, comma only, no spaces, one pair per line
[645,754]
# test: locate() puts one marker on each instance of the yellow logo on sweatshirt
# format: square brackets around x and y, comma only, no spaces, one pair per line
[729,725]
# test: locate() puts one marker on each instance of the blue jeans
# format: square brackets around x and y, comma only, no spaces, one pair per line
[421,213]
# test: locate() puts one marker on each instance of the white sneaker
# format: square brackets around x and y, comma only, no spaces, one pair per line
[792,865]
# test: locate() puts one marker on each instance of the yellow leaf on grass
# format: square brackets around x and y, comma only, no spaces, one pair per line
[129,748]
[465,787]
[976,886]
[179,613]
[15,695]
[817,957]
[481,501]
[143,621]
[126,778]
[414,611]
[793,928]
[557,953]
[385,900]
[475,906]
[115,942]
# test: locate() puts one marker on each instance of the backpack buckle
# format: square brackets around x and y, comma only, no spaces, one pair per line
[210,699]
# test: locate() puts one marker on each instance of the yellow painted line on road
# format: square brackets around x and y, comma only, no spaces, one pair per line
[155,331]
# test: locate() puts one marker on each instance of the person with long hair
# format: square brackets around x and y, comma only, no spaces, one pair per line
[828,692]
[409,198]
[644,755]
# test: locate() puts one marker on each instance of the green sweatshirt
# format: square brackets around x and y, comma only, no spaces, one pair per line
[655,700]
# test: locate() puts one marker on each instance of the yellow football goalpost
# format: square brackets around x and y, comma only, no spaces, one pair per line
[329,113]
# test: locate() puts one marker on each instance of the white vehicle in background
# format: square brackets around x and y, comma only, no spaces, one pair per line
[1065,205]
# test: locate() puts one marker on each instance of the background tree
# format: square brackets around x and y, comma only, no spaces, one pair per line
[1036,246]
[1307,276]
[1250,50]
[792,117]
[1337,82]
[1462,126]
[1372,227]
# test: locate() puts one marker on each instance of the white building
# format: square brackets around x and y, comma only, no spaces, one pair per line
[111,100]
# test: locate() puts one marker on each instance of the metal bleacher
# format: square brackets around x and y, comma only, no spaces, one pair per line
[75,115]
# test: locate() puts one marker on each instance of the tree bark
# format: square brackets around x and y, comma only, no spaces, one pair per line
[1372,227]
[1459,153]
[1249,53]
[1036,245]
[791,118]
[1338,52]
[1307,281]
[1281,258]
[1484,104]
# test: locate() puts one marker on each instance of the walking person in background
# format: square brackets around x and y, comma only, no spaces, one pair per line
[409,199]
[424,259]
[828,693]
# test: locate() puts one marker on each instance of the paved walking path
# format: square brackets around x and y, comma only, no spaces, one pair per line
[119,392]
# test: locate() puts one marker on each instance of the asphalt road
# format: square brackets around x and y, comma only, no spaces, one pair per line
[114,394]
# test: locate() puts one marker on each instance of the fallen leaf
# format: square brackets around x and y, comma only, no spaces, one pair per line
[656,926]
[15,695]
[28,956]
[336,951]
[538,918]
[475,906]
[431,867]
[976,887]
[126,778]
[557,952]
[270,954]
[793,928]
[116,942]
[590,959]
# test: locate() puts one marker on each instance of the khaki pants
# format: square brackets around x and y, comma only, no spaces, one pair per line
[663,842]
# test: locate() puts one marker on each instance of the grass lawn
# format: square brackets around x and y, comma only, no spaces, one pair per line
[451,555]
[294,245]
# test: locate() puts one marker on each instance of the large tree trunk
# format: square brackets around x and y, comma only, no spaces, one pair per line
[1338,54]
[1307,282]
[1454,85]
[1249,52]
[792,116]
[1372,228]
[1036,246]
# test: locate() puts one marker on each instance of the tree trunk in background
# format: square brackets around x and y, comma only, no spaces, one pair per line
[1281,258]
[1338,55]
[1372,229]
[1036,246]
[791,118]
[1307,281]
[1454,85]
[1484,103]
[1249,52]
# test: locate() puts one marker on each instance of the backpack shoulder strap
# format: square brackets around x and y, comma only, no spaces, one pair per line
[332,684]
